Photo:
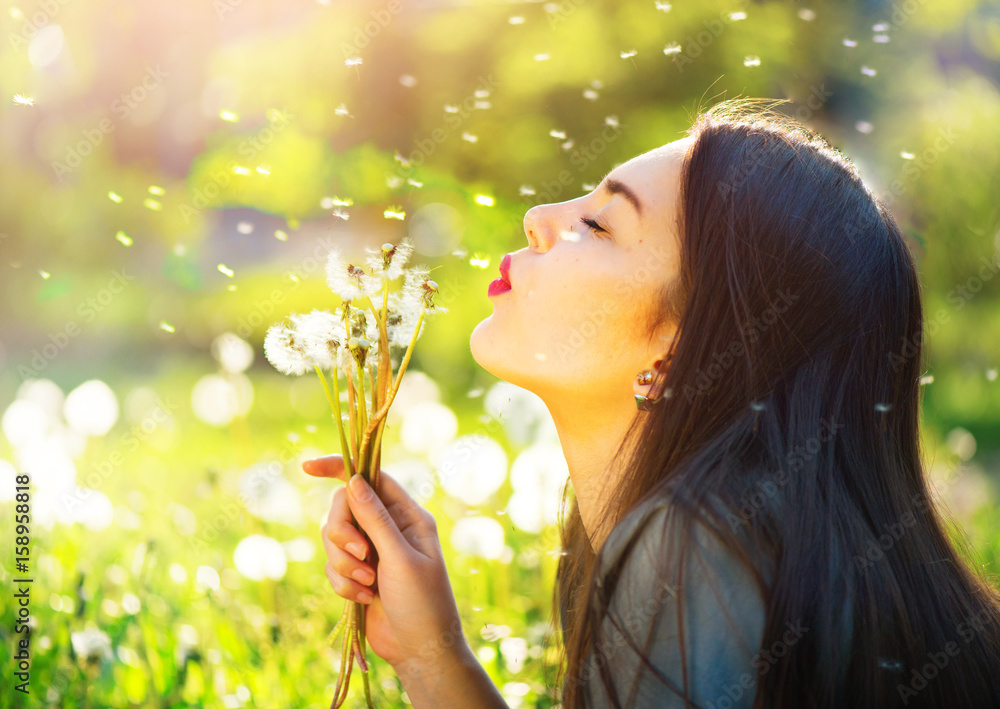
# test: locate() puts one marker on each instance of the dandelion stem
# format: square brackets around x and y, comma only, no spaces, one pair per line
[335,633]
[353,416]
[384,409]
[334,400]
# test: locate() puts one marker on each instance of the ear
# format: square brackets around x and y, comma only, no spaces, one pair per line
[659,342]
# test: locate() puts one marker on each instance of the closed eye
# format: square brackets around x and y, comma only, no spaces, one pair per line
[593,225]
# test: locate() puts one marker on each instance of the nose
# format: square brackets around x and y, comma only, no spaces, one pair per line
[541,226]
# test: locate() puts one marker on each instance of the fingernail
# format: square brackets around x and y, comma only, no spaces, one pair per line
[359,489]
[365,597]
[357,549]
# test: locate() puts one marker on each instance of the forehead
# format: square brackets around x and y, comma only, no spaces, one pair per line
[655,175]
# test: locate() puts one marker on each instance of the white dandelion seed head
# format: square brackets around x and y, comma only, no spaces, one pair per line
[321,333]
[389,264]
[285,351]
[345,279]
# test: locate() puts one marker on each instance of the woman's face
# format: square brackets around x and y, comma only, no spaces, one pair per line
[585,293]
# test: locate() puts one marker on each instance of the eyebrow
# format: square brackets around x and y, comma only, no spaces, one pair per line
[617,187]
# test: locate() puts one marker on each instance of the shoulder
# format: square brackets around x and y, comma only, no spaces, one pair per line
[682,611]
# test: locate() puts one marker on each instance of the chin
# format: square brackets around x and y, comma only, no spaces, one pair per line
[490,352]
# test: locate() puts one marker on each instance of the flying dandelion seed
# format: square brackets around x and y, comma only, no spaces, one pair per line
[240,170]
[408,81]
[628,54]
[881,38]
[867,71]
[927,379]
[516,20]
[264,170]
[864,127]
[244,228]
[526,190]
[567,145]
[484,200]
[293,278]
[991,374]
[230,116]
[758,405]
[672,48]
[883,408]
[413,182]
[560,134]
[480,261]
[223,269]
[341,214]
[807,14]
[231,288]
[482,105]
[124,238]
[541,57]
[21,100]
[393,181]
[590,94]
[880,27]
[157,190]
[907,156]
[115,197]
[611,121]
[342,202]
[481,93]
[167,327]
[341,110]
[751,61]
[737,16]
[850,43]
[150,203]
[394,212]
[588,187]
[280,235]
[450,108]
[353,61]
[45,275]
[663,6]
[469,137]
[567,235]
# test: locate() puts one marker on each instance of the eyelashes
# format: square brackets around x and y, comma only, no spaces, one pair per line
[593,225]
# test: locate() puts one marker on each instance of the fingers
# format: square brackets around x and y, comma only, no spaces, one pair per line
[339,528]
[375,519]
[327,466]
[348,566]
[347,588]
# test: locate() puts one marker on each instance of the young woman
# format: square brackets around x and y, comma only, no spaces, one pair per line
[760,533]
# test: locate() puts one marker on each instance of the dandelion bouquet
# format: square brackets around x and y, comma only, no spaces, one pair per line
[354,342]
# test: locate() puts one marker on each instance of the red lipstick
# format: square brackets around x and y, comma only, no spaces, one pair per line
[502,284]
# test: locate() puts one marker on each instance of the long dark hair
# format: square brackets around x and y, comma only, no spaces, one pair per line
[799,353]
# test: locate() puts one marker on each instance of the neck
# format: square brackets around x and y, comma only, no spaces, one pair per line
[590,433]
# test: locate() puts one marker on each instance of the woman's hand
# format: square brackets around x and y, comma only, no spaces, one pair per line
[411,618]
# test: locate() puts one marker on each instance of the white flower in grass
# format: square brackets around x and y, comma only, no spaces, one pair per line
[389,260]
[286,351]
[321,333]
[92,646]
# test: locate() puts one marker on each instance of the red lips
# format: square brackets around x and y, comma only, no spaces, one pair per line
[502,284]
[505,269]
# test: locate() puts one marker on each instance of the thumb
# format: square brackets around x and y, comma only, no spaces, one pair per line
[374,518]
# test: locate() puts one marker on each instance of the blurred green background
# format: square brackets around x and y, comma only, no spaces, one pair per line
[172,177]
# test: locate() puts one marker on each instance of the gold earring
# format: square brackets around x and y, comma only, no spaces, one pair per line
[645,376]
